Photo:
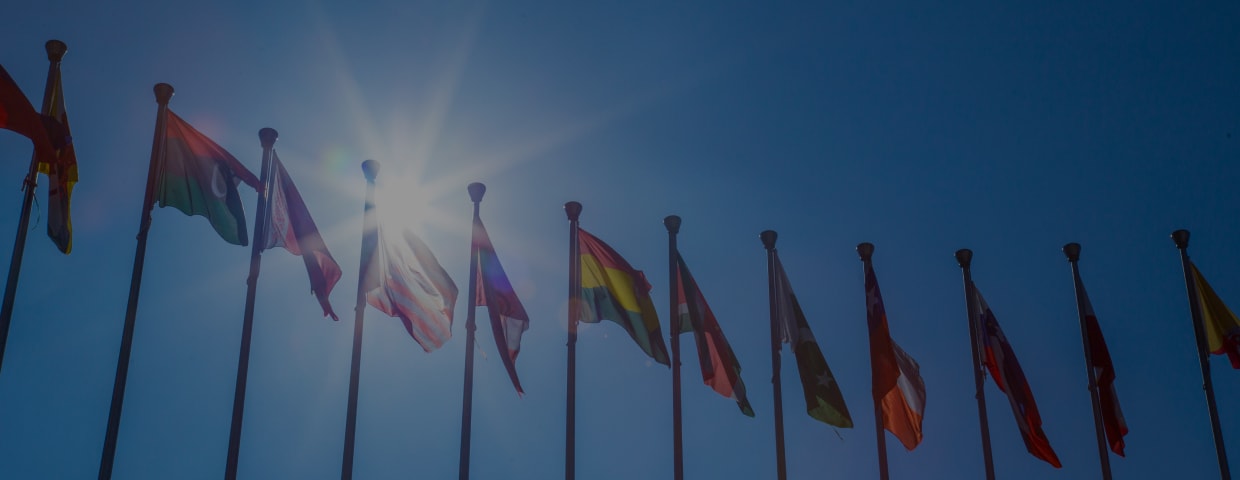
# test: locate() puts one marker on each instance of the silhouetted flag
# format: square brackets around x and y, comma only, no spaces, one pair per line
[1005,370]
[897,383]
[18,115]
[200,178]
[1104,372]
[612,289]
[508,318]
[292,228]
[404,280]
[823,399]
[1221,326]
[62,173]
[720,368]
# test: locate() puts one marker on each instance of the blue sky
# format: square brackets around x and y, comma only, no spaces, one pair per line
[922,128]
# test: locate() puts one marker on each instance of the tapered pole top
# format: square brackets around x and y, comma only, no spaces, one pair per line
[768,238]
[268,136]
[163,93]
[964,257]
[370,168]
[573,210]
[55,50]
[1180,237]
[1072,251]
[672,222]
[865,250]
[476,191]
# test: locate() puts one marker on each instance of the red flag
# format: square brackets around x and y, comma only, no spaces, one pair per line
[1104,374]
[18,115]
[291,227]
[508,318]
[897,383]
[720,368]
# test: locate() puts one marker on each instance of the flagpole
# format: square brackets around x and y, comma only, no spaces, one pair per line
[267,137]
[370,239]
[573,210]
[672,222]
[1203,355]
[1073,252]
[476,191]
[163,93]
[866,252]
[768,238]
[964,257]
[55,52]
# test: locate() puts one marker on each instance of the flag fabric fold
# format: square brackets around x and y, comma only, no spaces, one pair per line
[403,279]
[1000,359]
[1104,376]
[508,318]
[290,226]
[18,115]
[1221,325]
[199,177]
[897,382]
[61,170]
[611,289]
[720,368]
[823,399]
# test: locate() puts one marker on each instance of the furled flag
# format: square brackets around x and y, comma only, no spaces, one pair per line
[613,290]
[200,178]
[1221,326]
[823,399]
[720,368]
[1104,375]
[62,174]
[291,227]
[18,115]
[898,387]
[508,318]
[403,279]
[1005,370]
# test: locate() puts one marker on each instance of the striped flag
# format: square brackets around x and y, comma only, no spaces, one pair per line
[403,279]
[720,368]
[613,290]
[508,318]
[291,227]
[1221,325]
[897,382]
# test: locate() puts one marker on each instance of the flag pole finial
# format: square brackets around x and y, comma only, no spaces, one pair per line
[476,191]
[865,250]
[163,93]
[768,238]
[672,222]
[1181,238]
[573,209]
[964,257]
[1073,251]
[268,136]
[370,168]
[55,50]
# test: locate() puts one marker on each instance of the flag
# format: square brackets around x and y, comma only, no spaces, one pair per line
[613,290]
[61,170]
[1221,326]
[720,368]
[200,178]
[508,318]
[1104,377]
[403,279]
[1007,374]
[823,399]
[290,226]
[18,115]
[897,384]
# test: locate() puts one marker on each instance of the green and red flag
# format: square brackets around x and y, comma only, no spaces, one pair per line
[18,115]
[199,177]
[61,170]
[291,227]
[720,368]
[1221,325]
[823,399]
[508,318]
[611,289]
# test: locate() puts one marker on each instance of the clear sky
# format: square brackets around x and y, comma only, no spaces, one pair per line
[1007,128]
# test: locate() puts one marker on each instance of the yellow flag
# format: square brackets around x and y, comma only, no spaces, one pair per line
[1221,325]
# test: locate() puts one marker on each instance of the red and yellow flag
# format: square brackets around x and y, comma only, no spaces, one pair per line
[611,289]
[1222,327]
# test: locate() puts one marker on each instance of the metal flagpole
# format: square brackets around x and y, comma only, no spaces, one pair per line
[672,222]
[370,241]
[55,51]
[1207,383]
[1073,252]
[768,238]
[964,257]
[267,137]
[163,93]
[573,210]
[866,251]
[476,191]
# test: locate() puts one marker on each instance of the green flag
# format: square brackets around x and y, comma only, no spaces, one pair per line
[200,178]
[823,399]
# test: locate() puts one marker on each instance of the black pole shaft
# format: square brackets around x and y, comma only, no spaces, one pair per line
[772,259]
[55,51]
[163,93]
[678,459]
[879,433]
[1073,251]
[467,397]
[370,241]
[268,137]
[1203,355]
[965,257]
[573,209]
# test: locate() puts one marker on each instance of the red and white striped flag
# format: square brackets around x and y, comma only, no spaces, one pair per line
[404,280]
